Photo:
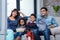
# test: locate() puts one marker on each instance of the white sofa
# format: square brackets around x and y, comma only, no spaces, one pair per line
[57,34]
[54,31]
[42,37]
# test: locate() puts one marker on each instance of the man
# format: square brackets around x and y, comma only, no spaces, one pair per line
[45,22]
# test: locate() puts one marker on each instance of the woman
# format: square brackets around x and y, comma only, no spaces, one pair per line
[13,20]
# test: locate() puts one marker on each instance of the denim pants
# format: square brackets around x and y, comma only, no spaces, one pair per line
[46,34]
[36,34]
[19,34]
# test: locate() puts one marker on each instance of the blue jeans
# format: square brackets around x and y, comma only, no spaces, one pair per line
[46,34]
[19,34]
[36,35]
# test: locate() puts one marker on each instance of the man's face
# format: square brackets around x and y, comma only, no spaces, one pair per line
[43,12]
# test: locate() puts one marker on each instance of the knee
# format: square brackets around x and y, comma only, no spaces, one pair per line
[35,31]
[18,38]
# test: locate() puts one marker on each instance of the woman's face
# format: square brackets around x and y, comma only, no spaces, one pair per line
[22,22]
[32,18]
[14,14]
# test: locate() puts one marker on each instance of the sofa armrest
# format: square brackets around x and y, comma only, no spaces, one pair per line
[55,30]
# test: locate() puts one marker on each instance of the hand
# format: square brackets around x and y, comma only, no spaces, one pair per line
[22,14]
[52,26]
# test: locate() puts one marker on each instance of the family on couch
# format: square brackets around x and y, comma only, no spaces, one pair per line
[32,26]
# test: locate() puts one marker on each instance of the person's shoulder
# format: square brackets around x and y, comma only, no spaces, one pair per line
[39,17]
[50,17]
[18,26]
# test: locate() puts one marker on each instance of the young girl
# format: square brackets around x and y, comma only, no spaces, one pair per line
[21,30]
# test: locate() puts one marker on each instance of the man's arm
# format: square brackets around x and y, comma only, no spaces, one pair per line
[53,23]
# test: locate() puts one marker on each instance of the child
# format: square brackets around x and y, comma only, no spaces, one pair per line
[32,27]
[21,30]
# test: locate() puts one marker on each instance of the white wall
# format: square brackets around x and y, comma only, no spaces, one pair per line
[0,13]
[3,19]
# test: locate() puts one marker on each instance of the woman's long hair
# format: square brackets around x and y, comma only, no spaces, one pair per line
[18,14]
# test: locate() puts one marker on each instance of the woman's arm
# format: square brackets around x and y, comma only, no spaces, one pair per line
[22,14]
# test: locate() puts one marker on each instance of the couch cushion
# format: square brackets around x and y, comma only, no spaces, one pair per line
[55,30]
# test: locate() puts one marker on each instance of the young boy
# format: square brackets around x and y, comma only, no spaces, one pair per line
[32,27]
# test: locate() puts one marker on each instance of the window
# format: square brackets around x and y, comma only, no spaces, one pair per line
[27,7]
[11,4]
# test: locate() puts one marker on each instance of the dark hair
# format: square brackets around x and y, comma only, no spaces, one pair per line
[44,8]
[18,14]
[33,15]
[23,20]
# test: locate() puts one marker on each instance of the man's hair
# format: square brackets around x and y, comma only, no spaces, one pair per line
[44,8]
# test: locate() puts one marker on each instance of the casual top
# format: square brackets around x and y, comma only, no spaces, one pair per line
[44,23]
[21,26]
[31,25]
[12,24]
